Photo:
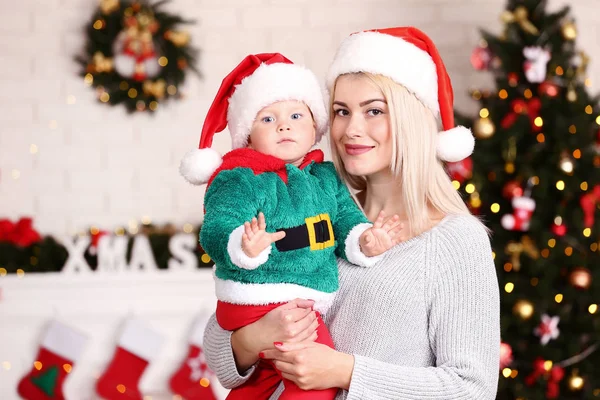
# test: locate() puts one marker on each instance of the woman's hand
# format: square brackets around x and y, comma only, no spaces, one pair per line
[292,322]
[312,366]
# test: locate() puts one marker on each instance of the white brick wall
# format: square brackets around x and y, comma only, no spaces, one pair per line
[122,154]
[97,165]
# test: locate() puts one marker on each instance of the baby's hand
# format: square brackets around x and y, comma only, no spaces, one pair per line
[255,238]
[381,236]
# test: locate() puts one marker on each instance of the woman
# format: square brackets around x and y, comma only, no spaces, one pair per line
[423,323]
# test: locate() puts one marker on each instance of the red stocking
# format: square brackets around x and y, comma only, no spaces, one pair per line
[136,348]
[60,348]
[193,379]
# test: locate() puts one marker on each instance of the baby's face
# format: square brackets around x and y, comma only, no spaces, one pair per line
[285,130]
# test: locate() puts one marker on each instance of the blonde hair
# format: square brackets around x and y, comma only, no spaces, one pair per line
[414,131]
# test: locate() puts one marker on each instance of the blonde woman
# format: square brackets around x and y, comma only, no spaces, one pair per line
[422,323]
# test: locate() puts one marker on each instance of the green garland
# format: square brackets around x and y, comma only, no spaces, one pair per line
[124,41]
[48,255]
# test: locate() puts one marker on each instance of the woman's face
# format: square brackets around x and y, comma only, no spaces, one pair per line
[361,127]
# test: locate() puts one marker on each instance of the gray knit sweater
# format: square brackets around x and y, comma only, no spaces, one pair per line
[423,323]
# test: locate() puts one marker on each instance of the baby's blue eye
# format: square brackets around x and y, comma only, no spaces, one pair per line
[267,119]
[296,116]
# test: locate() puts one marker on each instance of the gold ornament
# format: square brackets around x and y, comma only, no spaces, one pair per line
[108,6]
[569,30]
[100,63]
[484,128]
[156,89]
[519,16]
[572,95]
[515,250]
[523,308]
[581,278]
[179,39]
[583,64]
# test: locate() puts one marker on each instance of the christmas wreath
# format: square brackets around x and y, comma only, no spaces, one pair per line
[135,54]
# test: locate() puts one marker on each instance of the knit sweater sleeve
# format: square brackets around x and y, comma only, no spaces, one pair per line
[464,328]
[219,355]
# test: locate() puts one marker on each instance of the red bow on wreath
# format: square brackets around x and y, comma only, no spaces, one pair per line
[555,375]
[21,234]
[588,204]
[522,107]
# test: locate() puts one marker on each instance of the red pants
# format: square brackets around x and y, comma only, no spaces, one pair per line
[265,380]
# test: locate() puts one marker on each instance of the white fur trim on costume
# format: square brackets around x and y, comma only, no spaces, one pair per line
[198,165]
[269,84]
[353,253]
[455,144]
[141,340]
[237,255]
[379,53]
[64,341]
[269,293]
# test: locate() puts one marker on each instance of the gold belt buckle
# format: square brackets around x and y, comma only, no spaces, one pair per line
[312,237]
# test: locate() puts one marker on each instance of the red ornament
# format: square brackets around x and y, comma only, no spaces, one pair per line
[461,170]
[523,107]
[555,375]
[538,370]
[588,204]
[520,219]
[480,58]
[549,89]
[513,79]
[553,388]
[96,236]
[505,355]
[512,189]
[559,230]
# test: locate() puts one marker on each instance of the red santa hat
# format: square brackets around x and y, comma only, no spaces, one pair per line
[258,81]
[407,56]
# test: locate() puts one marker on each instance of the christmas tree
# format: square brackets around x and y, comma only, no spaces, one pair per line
[535,180]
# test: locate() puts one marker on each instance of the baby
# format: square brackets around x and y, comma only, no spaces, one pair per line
[276,215]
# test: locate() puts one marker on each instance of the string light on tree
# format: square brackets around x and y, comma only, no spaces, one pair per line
[580,278]
[576,382]
[566,164]
[524,309]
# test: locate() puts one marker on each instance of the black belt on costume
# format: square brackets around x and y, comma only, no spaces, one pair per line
[316,233]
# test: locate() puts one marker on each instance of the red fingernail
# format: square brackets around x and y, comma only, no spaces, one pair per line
[277,344]
[261,355]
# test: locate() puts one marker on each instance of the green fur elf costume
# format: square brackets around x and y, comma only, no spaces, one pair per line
[309,203]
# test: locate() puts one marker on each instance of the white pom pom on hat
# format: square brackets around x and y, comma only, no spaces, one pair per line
[258,81]
[407,56]
[198,165]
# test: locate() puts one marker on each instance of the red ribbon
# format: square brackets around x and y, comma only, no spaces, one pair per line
[588,203]
[21,234]
[522,107]
[555,375]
